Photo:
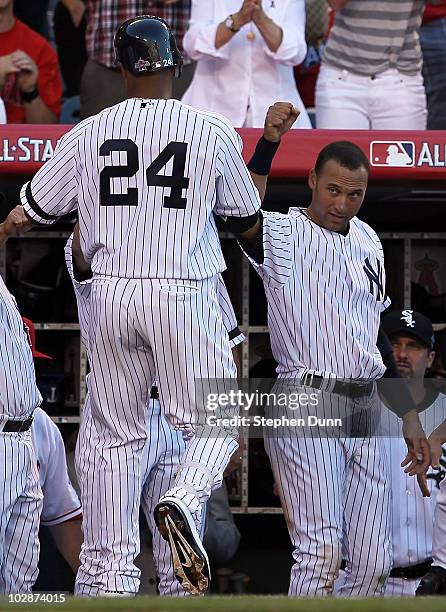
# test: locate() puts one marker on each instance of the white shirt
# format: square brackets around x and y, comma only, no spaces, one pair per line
[146,176]
[19,394]
[412,514]
[245,72]
[323,308]
[60,501]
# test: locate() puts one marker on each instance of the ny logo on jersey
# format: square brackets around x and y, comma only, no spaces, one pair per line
[376,279]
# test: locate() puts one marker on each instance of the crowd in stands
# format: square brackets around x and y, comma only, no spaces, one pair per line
[354,64]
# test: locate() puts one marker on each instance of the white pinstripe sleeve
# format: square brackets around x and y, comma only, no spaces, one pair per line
[237,195]
[53,190]
[278,243]
[229,319]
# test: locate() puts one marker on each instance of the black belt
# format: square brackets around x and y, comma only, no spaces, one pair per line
[17,426]
[413,572]
[348,388]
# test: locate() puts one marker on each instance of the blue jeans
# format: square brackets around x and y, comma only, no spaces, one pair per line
[433,44]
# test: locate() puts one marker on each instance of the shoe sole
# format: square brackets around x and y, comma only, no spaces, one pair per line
[177,527]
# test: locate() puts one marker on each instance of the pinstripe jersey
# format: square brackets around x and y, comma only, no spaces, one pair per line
[19,394]
[82,291]
[325,292]
[146,176]
[412,514]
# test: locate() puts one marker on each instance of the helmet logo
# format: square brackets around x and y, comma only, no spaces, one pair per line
[141,65]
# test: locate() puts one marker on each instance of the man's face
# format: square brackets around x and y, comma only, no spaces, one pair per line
[412,357]
[338,194]
[5,4]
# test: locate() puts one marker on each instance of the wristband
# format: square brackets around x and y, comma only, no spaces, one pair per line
[29,96]
[260,163]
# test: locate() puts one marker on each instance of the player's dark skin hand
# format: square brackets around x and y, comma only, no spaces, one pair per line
[279,120]
[15,223]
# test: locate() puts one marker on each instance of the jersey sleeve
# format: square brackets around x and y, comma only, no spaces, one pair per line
[278,243]
[237,195]
[236,336]
[82,292]
[53,190]
[60,501]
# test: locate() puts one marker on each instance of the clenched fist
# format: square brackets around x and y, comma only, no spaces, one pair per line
[15,223]
[279,119]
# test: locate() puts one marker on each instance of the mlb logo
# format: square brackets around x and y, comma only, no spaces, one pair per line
[393,153]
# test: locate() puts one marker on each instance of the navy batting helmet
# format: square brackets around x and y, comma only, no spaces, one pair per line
[145,44]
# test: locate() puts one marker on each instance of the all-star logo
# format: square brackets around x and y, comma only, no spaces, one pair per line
[408,318]
[142,65]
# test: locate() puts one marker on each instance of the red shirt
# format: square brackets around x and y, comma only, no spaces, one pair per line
[49,81]
[432,12]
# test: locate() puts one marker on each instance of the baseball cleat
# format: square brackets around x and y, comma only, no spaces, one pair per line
[433,583]
[190,561]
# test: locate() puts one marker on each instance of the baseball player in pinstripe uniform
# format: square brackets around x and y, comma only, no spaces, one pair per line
[412,338]
[20,493]
[323,274]
[164,446]
[146,176]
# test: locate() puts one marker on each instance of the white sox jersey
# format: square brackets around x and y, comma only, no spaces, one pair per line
[60,500]
[19,394]
[146,176]
[412,514]
[325,292]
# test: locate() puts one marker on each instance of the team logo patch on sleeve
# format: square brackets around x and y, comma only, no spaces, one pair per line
[398,154]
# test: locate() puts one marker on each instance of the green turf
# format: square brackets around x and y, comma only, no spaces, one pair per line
[238,604]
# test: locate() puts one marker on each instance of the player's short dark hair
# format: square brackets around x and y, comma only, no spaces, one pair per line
[345,153]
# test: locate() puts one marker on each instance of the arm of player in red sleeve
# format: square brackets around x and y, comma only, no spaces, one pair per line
[68,539]
[15,223]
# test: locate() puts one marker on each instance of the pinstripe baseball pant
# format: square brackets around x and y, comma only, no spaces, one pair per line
[20,508]
[142,330]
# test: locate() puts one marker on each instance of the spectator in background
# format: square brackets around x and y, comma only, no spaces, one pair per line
[102,84]
[30,83]
[315,34]
[34,14]
[177,14]
[371,70]
[433,46]
[70,24]
[245,52]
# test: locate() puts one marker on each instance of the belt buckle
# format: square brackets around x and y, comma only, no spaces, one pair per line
[305,377]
